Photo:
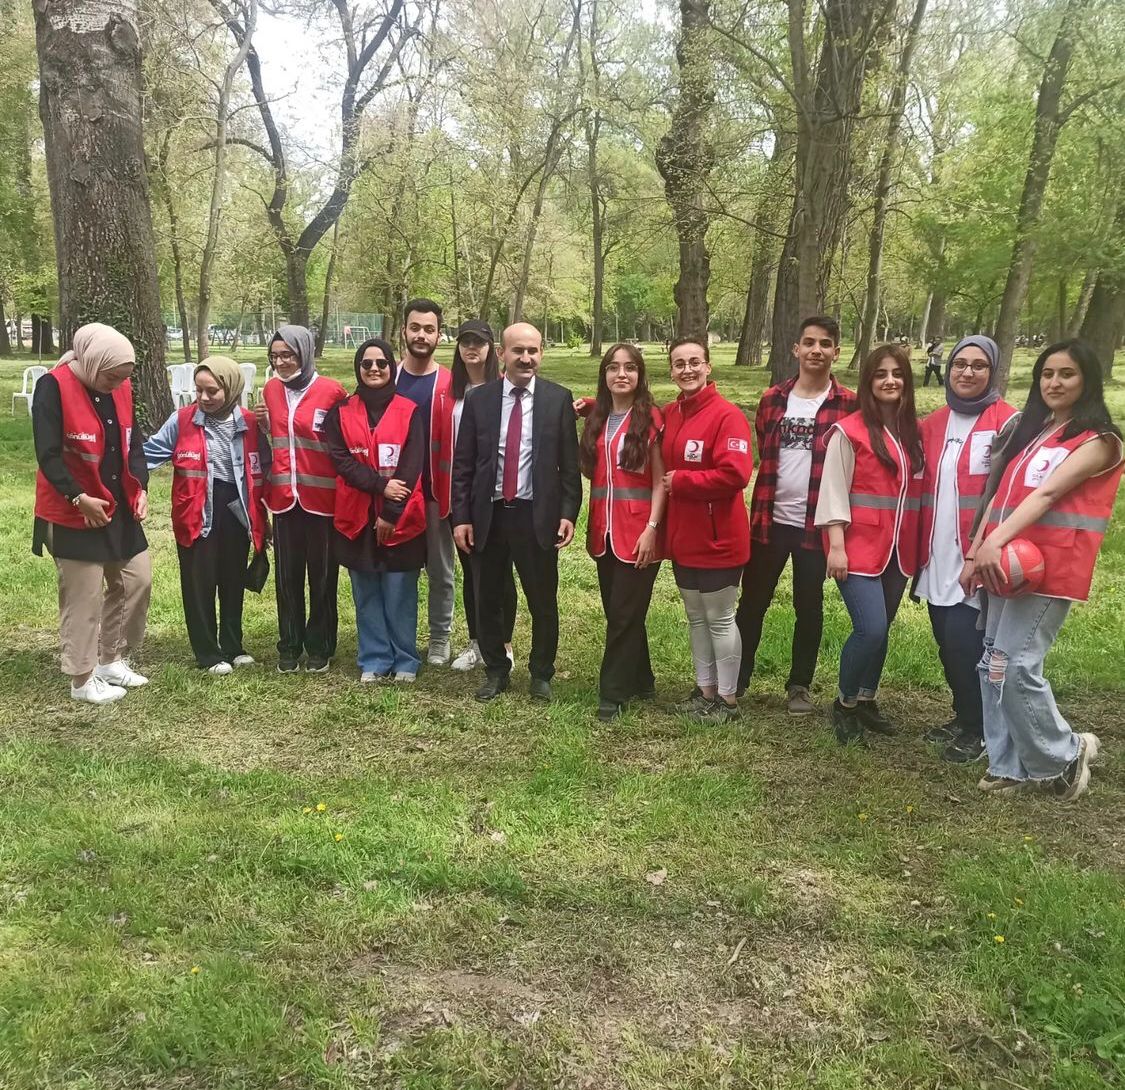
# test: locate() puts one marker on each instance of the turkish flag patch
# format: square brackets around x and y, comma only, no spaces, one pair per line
[739,445]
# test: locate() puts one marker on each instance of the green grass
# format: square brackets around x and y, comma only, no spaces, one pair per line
[827,919]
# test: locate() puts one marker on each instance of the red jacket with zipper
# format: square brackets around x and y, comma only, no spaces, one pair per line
[707,442]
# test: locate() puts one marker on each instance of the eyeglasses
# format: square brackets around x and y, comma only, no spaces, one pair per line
[978,367]
[472,342]
[282,357]
[680,366]
[381,364]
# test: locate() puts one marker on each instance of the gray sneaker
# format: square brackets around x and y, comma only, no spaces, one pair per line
[438,654]
[799,702]
[719,712]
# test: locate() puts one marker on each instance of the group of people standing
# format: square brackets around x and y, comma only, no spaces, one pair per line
[484,460]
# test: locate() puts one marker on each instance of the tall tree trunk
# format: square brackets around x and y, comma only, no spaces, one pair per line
[827,105]
[551,162]
[684,158]
[1078,316]
[1049,119]
[329,276]
[1104,323]
[924,329]
[90,107]
[597,233]
[174,243]
[883,187]
[5,340]
[42,340]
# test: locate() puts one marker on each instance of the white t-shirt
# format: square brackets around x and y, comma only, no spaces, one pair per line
[938,581]
[794,464]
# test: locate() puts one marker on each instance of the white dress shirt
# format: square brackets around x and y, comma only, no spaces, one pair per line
[507,401]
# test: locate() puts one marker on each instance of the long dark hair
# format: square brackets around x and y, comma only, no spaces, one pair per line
[1089,412]
[461,372]
[906,419]
[634,447]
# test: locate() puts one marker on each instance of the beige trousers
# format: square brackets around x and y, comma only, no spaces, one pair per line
[96,625]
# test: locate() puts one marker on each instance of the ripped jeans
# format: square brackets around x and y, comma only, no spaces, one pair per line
[1026,736]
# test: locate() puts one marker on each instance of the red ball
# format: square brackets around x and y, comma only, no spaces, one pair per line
[1022,563]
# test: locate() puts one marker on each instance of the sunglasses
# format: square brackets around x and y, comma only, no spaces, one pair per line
[380,364]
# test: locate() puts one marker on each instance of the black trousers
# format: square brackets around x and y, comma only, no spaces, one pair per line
[934,370]
[511,540]
[303,545]
[759,582]
[626,593]
[469,598]
[960,647]
[210,566]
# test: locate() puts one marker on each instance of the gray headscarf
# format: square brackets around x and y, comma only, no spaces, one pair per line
[301,341]
[991,395]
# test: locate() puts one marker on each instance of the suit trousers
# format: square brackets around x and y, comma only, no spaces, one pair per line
[303,543]
[216,564]
[511,540]
[626,592]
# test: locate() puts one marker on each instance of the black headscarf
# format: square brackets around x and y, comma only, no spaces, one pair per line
[302,342]
[375,398]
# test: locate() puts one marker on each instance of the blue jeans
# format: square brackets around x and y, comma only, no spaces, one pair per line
[386,618]
[1026,736]
[872,602]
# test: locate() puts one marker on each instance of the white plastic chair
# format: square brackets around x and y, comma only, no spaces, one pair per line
[180,379]
[31,375]
[250,374]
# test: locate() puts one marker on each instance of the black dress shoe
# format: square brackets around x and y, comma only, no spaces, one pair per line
[847,725]
[540,690]
[492,686]
[873,719]
[645,694]
[608,710]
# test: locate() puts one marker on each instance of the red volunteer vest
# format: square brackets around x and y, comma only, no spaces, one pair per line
[83,449]
[189,480]
[441,440]
[301,466]
[357,511]
[1070,534]
[973,465]
[878,502]
[620,499]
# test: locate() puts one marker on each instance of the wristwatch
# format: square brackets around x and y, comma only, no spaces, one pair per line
[74,500]
[654,525]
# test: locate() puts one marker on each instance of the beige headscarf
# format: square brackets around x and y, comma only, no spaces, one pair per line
[95,348]
[229,377]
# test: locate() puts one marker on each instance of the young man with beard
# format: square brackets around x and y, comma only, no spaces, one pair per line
[791,423]
[429,386]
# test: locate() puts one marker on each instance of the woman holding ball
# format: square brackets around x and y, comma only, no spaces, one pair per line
[1053,483]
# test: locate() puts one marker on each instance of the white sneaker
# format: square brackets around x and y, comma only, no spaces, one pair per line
[118,673]
[97,691]
[220,668]
[469,659]
[405,678]
[439,653]
[242,660]
[1093,746]
[370,677]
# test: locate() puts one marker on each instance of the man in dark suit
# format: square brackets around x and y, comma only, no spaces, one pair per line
[516,494]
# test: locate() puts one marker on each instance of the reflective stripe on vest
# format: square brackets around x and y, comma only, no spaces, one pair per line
[1063,520]
[599,492]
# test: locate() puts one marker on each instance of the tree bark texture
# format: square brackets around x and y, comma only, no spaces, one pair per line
[827,104]
[1104,323]
[1082,304]
[90,106]
[174,245]
[883,187]
[326,309]
[1049,119]
[684,158]
[42,337]
[5,340]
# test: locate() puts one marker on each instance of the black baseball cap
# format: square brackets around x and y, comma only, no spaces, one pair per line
[477,327]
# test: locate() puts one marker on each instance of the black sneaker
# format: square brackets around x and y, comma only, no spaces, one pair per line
[1073,783]
[947,732]
[847,725]
[645,694]
[288,666]
[873,719]
[719,712]
[317,666]
[964,749]
[608,710]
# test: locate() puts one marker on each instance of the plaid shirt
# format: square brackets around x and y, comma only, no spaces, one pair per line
[771,409]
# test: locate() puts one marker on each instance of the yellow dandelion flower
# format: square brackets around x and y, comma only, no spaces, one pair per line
[998,939]
[339,837]
[320,807]
[910,809]
[862,817]
[195,970]
[1028,839]
[992,915]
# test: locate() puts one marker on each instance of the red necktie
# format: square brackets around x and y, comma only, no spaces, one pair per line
[511,481]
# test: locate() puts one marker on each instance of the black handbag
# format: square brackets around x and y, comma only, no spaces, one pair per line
[257,572]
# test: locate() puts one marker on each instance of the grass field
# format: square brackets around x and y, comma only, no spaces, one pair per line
[264,881]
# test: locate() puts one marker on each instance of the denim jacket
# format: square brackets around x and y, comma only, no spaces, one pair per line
[160,447]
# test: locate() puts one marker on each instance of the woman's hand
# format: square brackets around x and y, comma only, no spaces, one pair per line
[988,567]
[645,551]
[396,491]
[667,481]
[93,511]
[968,579]
[140,512]
[383,530]
[838,563]
[261,413]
